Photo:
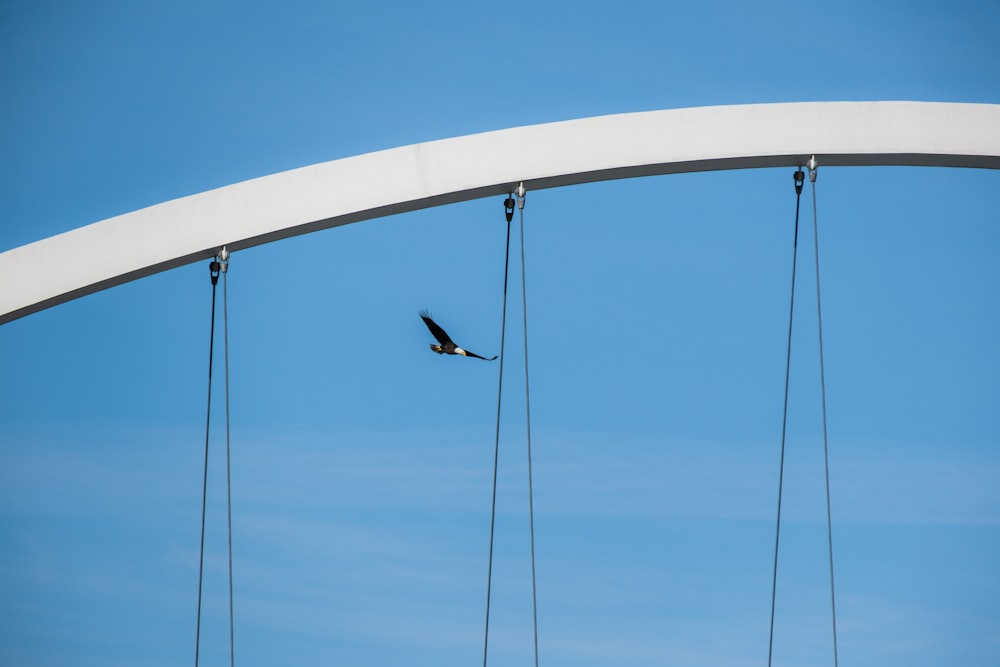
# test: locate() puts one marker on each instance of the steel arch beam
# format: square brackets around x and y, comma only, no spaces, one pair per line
[261,210]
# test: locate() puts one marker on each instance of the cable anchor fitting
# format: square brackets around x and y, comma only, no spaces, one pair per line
[813,166]
[223,259]
[508,207]
[800,178]
[520,192]
[213,269]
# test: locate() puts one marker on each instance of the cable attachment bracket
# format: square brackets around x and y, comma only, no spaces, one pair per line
[800,178]
[224,259]
[213,269]
[219,264]
[813,166]
[508,207]
[520,192]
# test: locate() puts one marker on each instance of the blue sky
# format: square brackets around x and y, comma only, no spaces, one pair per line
[657,318]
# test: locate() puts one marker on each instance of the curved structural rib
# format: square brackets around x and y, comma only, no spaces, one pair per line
[373,185]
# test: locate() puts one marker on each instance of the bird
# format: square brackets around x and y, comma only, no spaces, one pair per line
[446,344]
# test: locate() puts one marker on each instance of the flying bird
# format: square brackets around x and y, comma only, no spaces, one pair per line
[446,344]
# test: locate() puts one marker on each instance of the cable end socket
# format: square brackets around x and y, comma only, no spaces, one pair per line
[508,207]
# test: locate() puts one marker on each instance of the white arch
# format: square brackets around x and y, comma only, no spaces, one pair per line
[137,244]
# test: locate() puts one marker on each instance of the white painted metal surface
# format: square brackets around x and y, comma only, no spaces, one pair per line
[107,253]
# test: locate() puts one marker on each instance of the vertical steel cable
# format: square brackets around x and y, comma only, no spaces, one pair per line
[822,384]
[229,497]
[508,204]
[214,272]
[799,178]
[527,409]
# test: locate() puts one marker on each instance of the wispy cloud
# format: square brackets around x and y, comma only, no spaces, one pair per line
[611,477]
[378,539]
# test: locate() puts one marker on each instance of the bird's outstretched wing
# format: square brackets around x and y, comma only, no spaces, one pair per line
[473,354]
[436,331]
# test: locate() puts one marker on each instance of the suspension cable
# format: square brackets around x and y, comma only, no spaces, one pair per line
[509,213]
[822,383]
[799,179]
[527,409]
[224,262]
[214,273]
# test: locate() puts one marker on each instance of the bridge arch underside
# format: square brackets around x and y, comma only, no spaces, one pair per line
[374,185]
